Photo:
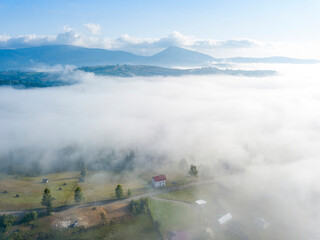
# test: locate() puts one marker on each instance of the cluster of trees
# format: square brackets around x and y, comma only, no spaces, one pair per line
[47,199]
[29,217]
[119,191]
[139,206]
[6,222]
[31,79]
[23,163]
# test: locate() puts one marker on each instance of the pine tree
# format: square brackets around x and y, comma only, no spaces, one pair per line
[193,171]
[47,200]
[119,191]
[78,196]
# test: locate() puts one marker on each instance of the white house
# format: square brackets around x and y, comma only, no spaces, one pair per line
[159,181]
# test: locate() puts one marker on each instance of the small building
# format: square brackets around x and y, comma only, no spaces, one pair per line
[81,179]
[224,219]
[159,181]
[201,202]
[45,180]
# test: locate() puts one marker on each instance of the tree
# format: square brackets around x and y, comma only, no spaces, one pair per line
[6,222]
[193,171]
[119,191]
[47,200]
[78,196]
[129,193]
[83,170]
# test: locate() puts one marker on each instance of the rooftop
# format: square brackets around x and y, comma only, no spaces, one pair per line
[160,178]
[201,202]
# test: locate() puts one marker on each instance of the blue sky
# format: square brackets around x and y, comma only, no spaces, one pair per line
[268,21]
[222,19]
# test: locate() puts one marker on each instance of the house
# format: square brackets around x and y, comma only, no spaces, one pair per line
[45,180]
[159,181]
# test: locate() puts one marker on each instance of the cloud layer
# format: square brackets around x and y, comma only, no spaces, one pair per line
[148,46]
[124,42]
[267,127]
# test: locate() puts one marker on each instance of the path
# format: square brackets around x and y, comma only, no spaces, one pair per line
[112,201]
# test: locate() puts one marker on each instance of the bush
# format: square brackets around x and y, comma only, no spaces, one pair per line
[139,206]
[29,217]
[6,222]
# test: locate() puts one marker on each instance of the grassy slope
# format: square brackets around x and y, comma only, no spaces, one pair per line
[30,190]
[98,186]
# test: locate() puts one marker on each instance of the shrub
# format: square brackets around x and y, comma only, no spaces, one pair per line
[139,206]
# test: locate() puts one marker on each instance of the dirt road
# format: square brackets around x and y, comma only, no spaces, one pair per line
[114,202]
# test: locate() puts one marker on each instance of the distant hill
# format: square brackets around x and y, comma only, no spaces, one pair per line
[11,59]
[20,79]
[276,59]
[62,54]
[175,56]
[145,71]
[24,58]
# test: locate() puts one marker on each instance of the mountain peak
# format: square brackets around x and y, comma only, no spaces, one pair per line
[174,55]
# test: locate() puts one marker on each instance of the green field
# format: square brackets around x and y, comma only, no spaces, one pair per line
[98,186]
[172,216]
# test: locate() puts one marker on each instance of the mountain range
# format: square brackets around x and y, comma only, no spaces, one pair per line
[24,58]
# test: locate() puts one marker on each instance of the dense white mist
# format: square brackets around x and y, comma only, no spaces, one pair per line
[268,127]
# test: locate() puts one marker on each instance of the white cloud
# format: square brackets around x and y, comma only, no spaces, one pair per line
[124,42]
[149,46]
[93,28]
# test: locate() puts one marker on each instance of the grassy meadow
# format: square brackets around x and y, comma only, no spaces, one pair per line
[97,186]
[172,216]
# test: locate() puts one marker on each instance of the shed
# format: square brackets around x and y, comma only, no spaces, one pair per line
[224,219]
[201,202]
[45,180]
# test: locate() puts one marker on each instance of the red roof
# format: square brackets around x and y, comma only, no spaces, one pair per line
[159,178]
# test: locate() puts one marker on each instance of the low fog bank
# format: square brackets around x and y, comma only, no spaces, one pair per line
[266,127]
